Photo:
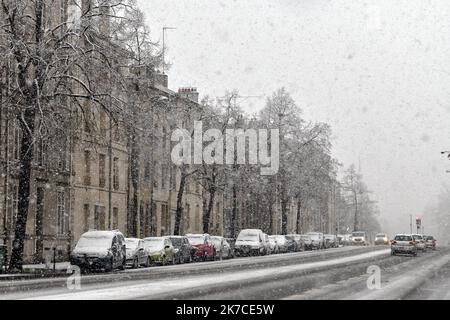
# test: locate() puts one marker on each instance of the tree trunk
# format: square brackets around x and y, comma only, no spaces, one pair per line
[234,212]
[299,216]
[179,210]
[209,208]
[134,175]
[355,226]
[25,162]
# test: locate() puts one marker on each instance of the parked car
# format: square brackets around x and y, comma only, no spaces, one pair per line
[359,238]
[250,242]
[403,243]
[273,244]
[381,239]
[160,250]
[182,248]
[223,248]
[307,241]
[420,242]
[430,242]
[346,239]
[291,243]
[331,241]
[282,244]
[317,240]
[204,248]
[136,253]
[300,246]
[100,250]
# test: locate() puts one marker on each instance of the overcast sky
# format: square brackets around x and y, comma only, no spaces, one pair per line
[377,71]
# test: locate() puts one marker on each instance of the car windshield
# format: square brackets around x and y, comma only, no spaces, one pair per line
[131,243]
[314,236]
[248,236]
[403,238]
[98,242]
[358,234]
[216,241]
[380,235]
[430,238]
[196,240]
[154,243]
[417,237]
[177,242]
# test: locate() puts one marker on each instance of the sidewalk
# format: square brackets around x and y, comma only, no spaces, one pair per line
[33,271]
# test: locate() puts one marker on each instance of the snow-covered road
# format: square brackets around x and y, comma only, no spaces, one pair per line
[339,273]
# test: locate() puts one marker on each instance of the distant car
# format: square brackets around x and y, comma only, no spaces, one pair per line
[223,248]
[100,250]
[307,241]
[136,254]
[359,238]
[331,241]
[251,242]
[381,239]
[403,244]
[420,242]
[204,248]
[300,246]
[273,244]
[160,250]
[283,245]
[430,242]
[346,239]
[182,248]
[317,240]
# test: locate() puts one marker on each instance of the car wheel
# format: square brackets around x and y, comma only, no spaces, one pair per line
[124,263]
[110,266]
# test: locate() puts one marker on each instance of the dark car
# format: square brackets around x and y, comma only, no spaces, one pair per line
[291,244]
[100,250]
[231,242]
[183,249]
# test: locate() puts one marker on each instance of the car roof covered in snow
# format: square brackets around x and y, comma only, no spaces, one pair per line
[100,234]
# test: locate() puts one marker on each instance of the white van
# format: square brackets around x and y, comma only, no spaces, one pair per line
[251,242]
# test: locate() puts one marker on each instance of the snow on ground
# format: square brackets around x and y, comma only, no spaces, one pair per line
[156,288]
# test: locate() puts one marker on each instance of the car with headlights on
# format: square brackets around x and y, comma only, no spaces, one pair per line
[381,239]
[182,248]
[359,238]
[100,250]
[160,250]
[403,244]
[204,248]
[136,253]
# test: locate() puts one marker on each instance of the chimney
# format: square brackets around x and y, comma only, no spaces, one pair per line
[189,93]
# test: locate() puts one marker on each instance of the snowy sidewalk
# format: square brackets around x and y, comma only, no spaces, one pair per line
[31,271]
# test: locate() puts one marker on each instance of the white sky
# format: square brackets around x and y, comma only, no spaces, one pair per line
[377,71]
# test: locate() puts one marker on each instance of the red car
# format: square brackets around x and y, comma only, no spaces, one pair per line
[204,248]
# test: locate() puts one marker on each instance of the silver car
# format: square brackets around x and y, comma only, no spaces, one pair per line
[420,242]
[403,244]
[136,254]
[223,248]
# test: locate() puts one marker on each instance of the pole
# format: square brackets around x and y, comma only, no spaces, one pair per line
[410,223]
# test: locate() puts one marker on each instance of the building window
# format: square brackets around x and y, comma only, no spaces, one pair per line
[165,218]
[99,217]
[87,167]
[164,139]
[41,152]
[115,217]
[116,184]
[61,211]
[173,179]
[86,217]
[39,211]
[197,188]
[101,171]
[197,217]
[164,176]
[155,175]
[147,172]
